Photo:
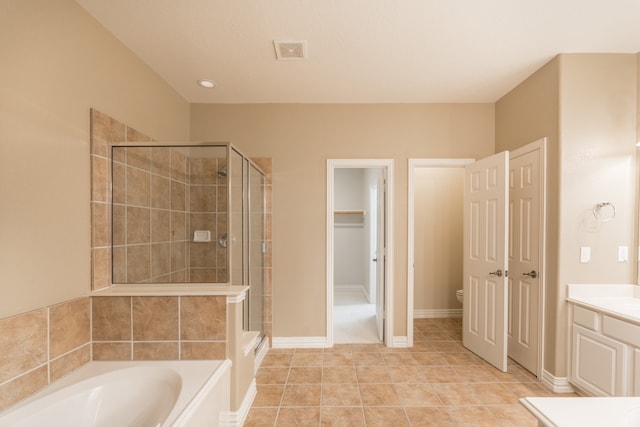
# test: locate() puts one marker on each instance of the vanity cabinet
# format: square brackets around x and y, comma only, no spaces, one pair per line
[605,353]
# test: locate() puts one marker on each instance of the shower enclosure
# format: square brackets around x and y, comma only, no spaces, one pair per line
[190,214]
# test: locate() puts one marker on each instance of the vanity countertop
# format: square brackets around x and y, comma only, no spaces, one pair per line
[621,301]
[166,289]
[584,411]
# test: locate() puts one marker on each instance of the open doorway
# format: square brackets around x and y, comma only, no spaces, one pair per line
[358,241]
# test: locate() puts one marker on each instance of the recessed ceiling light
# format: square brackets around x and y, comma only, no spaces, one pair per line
[207,83]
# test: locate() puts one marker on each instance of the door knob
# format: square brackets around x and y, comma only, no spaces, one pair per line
[533,274]
[496,273]
[375,260]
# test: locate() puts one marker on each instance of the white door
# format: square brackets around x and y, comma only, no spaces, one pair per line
[524,254]
[381,258]
[485,259]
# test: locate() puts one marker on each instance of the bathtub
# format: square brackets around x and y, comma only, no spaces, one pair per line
[140,394]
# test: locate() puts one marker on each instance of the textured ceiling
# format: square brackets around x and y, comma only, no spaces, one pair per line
[362,51]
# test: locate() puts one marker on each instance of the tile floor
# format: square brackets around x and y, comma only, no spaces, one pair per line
[435,383]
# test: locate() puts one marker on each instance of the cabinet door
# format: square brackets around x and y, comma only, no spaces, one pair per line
[598,363]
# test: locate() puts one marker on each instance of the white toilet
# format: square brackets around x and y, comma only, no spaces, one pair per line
[459,295]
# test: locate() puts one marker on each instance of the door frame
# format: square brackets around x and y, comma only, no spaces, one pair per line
[387,165]
[541,146]
[414,164]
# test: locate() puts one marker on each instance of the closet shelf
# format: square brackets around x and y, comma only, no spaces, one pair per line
[348,212]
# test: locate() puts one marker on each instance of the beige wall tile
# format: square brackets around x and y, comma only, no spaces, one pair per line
[118,187]
[139,157]
[138,263]
[70,362]
[22,387]
[138,187]
[202,254]
[203,318]
[160,259]
[178,196]
[203,198]
[160,192]
[105,129]
[111,351]
[161,161]
[138,225]
[119,264]
[68,326]
[101,272]
[100,224]
[119,225]
[178,166]
[155,318]
[191,350]
[99,179]
[23,342]
[111,318]
[178,226]
[160,225]
[135,136]
[203,171]
[155,351]
[203,275]
[178,256]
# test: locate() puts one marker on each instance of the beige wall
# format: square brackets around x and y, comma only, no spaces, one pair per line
[299,139]
[57,63]
[527,113]
[585,104]
[438,237]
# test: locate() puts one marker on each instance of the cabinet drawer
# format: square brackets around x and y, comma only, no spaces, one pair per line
[621,330]
[586,318]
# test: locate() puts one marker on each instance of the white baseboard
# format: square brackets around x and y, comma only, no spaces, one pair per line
[556,384]
[237,418]
[299,342]
[437,313]
[400,341]
[263,348]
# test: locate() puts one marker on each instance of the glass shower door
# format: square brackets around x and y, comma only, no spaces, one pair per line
[257,250]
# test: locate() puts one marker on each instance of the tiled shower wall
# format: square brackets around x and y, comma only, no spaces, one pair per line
[40,346]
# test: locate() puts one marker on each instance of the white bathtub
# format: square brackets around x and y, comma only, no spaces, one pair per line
[145,393]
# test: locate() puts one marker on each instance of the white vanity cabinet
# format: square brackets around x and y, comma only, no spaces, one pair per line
[605,353]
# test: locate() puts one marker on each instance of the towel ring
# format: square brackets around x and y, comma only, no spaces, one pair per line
[604,215]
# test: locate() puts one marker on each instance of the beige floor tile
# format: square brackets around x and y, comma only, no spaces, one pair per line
[339,375]
[430,359]
[417,395]
[513,416]
[339,348]
[341,417]
[298,417]
[301,395]
[476,416]
[259,417]
[436,417]
[305,375]
[338,359]
[307,359]
[467,358]
[368,359]
[439,374]
[447,347]
[399,359]
[379,395]
[340,395]
[422,347]
[373,374]
[385,416]
[277,359]
[268,395]
[493,394]
[272,375]
[406,374]
[456,394]
[529,390]
[365,348]
[474,374]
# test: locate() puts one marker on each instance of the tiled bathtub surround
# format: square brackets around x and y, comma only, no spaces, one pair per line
[159,327]
[40,346]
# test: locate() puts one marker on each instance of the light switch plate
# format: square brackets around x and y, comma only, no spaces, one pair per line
[623,253]
[585,254]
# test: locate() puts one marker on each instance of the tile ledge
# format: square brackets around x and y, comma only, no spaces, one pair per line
[200,289]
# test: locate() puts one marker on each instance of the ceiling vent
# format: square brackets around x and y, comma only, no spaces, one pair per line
[290,49]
